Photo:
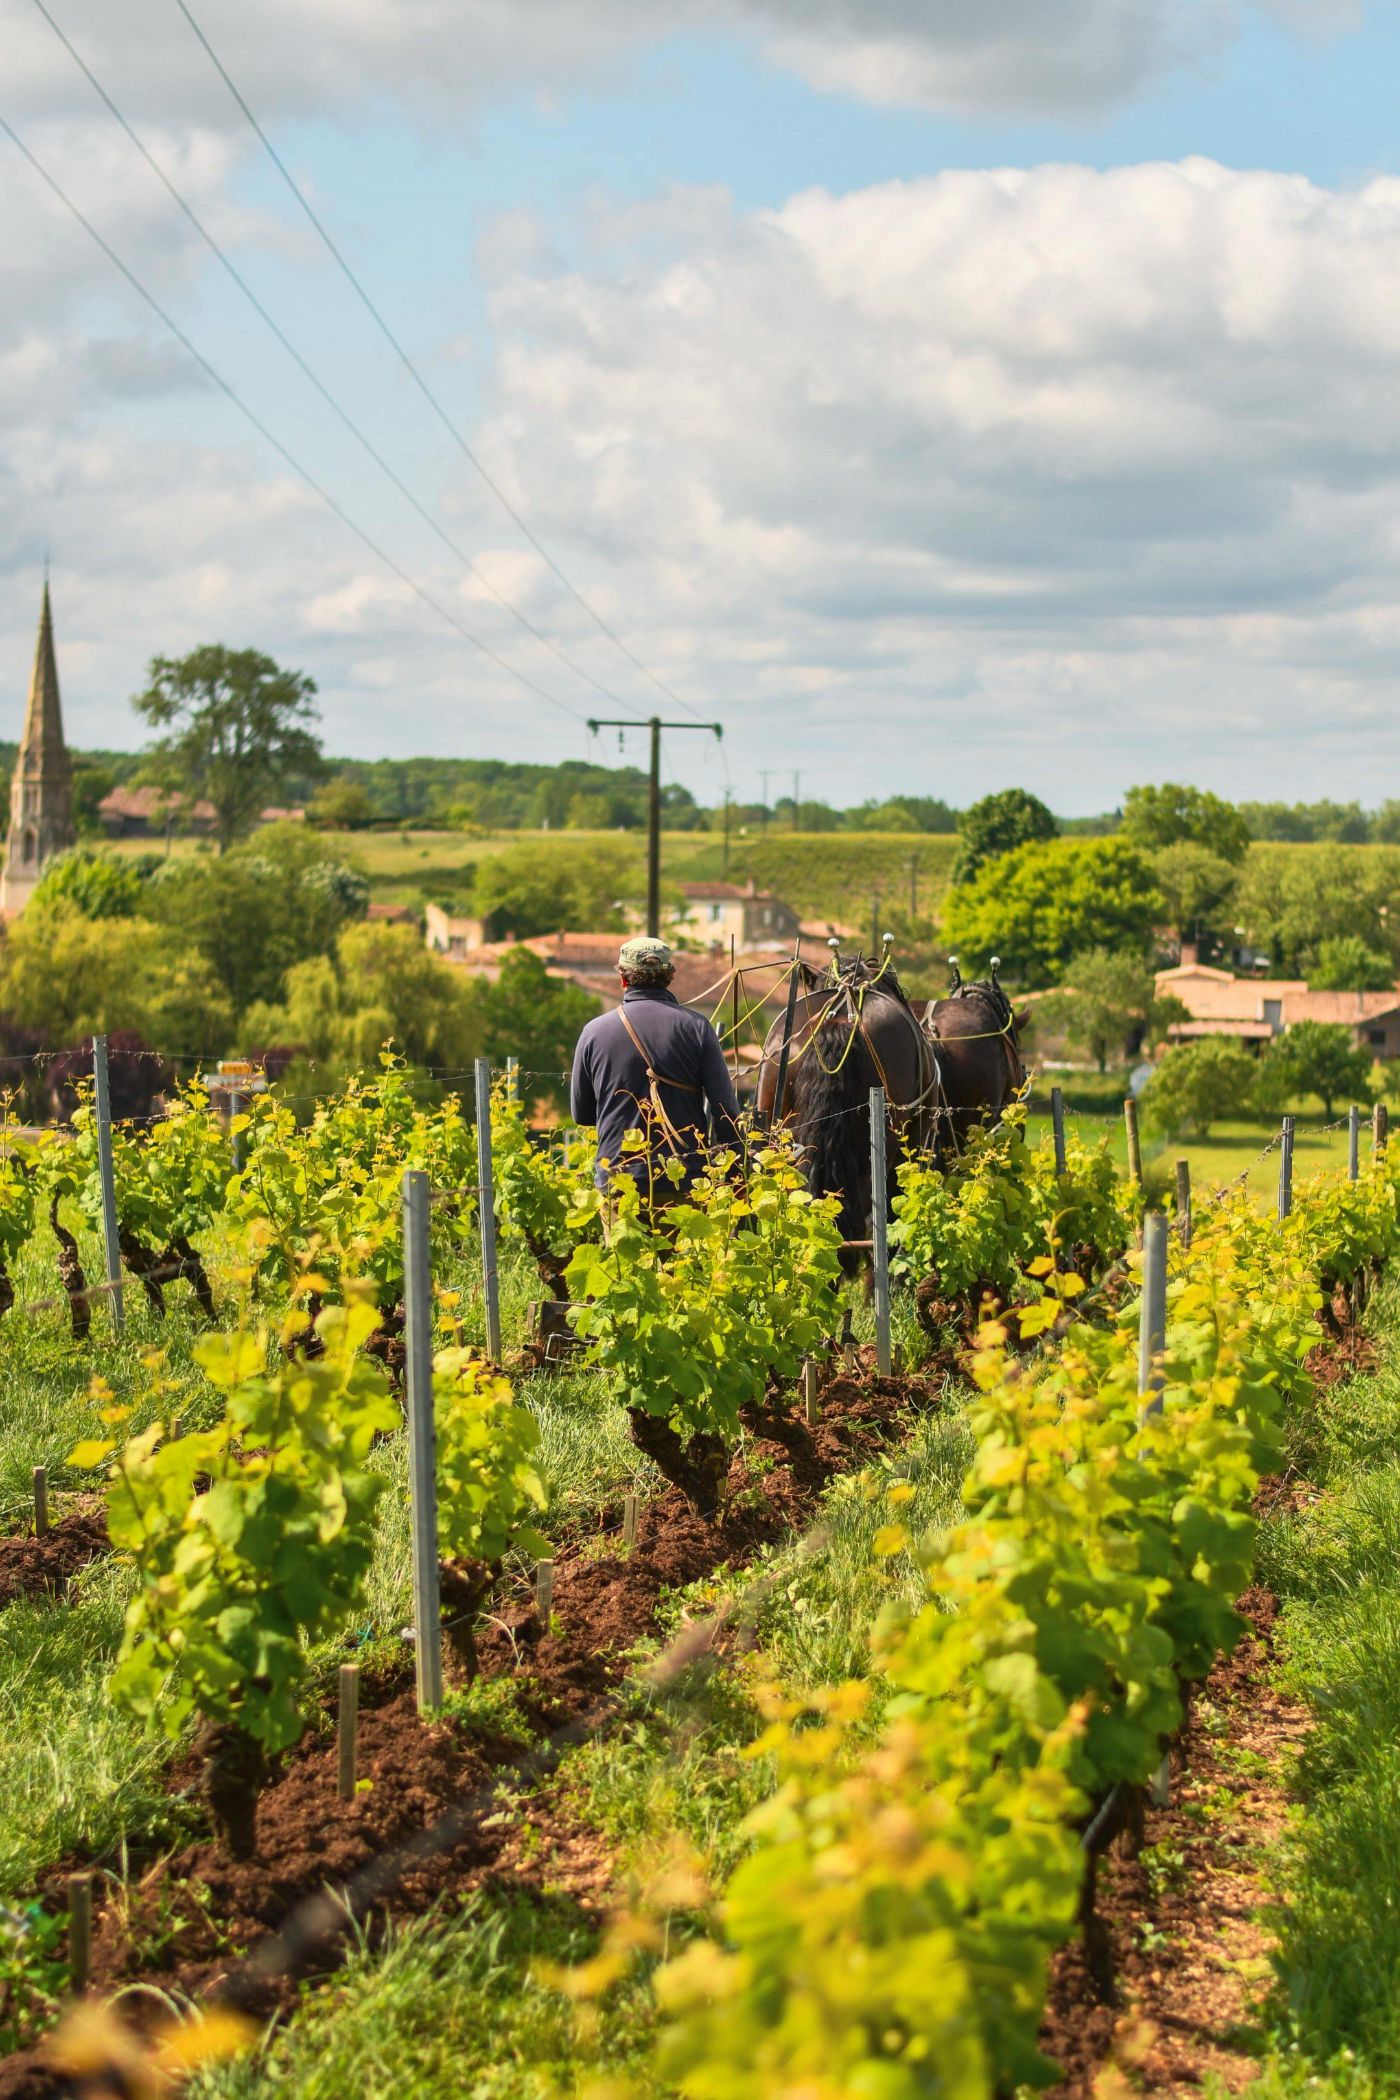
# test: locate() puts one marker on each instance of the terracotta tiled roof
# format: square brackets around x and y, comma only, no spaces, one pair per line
[1217,1002]
[149,803]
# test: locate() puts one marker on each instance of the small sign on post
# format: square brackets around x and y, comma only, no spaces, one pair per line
[111,1243]
[1057,1124]
[486,1209]
[1152,1317]
[347,1738]
[1183,1200]
[879,1228]
[1353,1143]
[1285,1170]
[422,1439]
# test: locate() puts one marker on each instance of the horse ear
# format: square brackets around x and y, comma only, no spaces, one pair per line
[1022,1020]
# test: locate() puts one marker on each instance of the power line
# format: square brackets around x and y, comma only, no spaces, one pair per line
[303,474]
[417,377]
[306,370]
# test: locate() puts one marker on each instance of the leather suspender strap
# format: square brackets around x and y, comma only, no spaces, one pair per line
[655,1081]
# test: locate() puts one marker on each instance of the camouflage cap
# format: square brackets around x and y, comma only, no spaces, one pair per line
[644,952]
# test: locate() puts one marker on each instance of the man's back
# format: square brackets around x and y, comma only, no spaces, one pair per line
[612,1080]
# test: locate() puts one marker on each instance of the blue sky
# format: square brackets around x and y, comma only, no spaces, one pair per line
[1100,490]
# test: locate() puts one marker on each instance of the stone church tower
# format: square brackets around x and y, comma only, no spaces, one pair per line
[41,795]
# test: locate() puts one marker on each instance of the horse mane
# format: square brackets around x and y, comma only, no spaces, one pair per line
[985,992]
[829,1125]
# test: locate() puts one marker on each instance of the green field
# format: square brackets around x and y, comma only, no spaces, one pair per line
[830,875]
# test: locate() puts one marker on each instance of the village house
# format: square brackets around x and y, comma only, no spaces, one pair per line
[1256,1009]
[721,912]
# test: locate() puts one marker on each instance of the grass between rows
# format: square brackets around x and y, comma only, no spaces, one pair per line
[1336,1566]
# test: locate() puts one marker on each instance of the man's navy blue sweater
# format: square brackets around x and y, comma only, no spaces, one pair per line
[610,1086]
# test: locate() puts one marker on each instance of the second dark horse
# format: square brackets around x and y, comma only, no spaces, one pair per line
[973,1032]
[853,1029]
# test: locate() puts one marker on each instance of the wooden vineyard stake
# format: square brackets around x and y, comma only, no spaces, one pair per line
[1380,1128]
[1183,1200]
[1130,1121]
[79,1930]
[629,1520]
[1353,1143]
[41,1502]
[811,1412]
[544,1591]
[348,1735]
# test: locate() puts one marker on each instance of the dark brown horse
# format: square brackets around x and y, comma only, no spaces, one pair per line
[852,1029]
[973,1032]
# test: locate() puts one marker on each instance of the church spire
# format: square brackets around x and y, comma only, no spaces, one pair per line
[41,794]
[43,721]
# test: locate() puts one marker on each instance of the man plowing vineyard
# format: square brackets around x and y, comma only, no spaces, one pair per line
[655,1068]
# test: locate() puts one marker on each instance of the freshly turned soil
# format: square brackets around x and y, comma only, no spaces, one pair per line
[1191,1961]
[32,1567]
[206,1925]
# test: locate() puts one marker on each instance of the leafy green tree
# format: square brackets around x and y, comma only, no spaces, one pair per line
[997,825]
[1044,903]
[1340,823]
[1198,888]
[1109,997]
[1346,964]
[341,805]
[1315,1057]
[237,731]
[67,976]
[887,816]
[536,888]
[91,786]
[280,897]
[379,984]
[537,1018]
[1293,899]
[1154,817]
[1197,1084]
[99,885]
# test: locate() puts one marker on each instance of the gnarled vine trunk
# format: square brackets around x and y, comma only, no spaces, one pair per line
[464,1587]
[697,1465]
[71,1275]
[235,1772]
[146,1266]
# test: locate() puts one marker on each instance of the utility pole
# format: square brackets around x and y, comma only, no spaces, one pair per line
[725,869]
[796,800]
[763,776]
[655,724]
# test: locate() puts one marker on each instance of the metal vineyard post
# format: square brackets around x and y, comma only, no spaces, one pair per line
[422,1439]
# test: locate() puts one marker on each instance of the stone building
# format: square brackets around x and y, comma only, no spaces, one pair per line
[41,794]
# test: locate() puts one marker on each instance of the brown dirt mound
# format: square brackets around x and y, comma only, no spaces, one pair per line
[605,1602]
[1190,1953]
[32,1567]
